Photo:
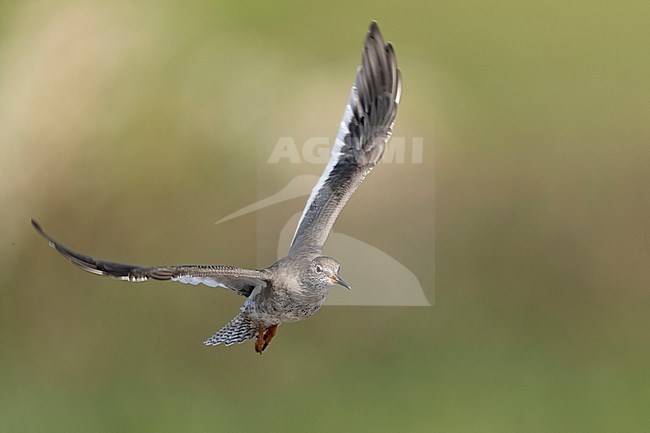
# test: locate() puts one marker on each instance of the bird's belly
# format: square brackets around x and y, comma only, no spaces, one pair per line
[283,309]
[297,313]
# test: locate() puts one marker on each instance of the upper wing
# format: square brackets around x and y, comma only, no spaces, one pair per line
[365,129]
[241,281]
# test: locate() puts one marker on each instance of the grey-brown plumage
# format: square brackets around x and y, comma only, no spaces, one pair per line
[295,287]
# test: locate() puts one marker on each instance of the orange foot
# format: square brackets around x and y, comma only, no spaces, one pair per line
[264,337]
[269,334]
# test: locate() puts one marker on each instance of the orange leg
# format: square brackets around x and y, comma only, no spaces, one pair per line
[269,334]
[260,340]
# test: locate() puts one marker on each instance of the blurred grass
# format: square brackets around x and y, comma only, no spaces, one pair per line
[128,129]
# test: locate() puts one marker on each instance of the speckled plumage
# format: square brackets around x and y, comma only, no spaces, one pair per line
[295,287]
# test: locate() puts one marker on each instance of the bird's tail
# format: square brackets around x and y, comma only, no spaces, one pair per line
[237,330]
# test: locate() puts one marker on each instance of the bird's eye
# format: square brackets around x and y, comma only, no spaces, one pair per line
[319,268]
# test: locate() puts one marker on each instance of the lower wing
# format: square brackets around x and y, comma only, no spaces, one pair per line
[241,281]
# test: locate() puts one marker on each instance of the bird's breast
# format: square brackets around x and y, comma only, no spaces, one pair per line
[284,304]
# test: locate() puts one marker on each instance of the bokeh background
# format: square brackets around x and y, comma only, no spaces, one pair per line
[129,128]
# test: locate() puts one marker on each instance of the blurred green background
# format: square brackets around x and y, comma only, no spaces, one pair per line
[129,128]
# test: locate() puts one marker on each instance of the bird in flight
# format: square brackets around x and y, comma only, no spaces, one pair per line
[295,287]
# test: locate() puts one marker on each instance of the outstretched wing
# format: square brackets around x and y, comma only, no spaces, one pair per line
[365,129]
[241,281]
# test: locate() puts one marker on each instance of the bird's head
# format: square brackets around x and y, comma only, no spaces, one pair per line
[323,273]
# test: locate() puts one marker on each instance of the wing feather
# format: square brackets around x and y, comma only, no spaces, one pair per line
[242,281]
[363,134]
